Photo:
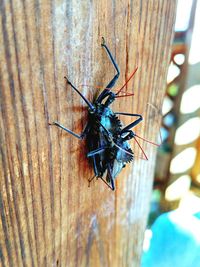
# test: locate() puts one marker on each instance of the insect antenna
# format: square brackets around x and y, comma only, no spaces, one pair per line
[145,140]
[124,150]
[150,142]
[106,183]
[126,94]
[100,87]
[146,158]
[120,90]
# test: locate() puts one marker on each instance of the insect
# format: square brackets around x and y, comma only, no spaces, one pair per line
[107,139]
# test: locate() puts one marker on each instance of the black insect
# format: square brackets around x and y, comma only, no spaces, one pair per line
[107,139]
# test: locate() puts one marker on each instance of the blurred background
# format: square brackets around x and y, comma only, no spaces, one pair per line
[173,232]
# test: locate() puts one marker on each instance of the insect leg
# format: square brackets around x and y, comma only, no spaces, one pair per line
[87,102]
[79,136]
[90,180]
[96,151]
[96,174]
[111,177]
[128,114]
[111,185]
[133,124]
[110,55]
[106,91]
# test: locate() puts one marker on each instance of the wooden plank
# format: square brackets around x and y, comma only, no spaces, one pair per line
[49,216]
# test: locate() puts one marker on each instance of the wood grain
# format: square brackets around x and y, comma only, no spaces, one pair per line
[49,216]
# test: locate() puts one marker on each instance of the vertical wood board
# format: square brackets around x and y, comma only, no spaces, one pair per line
[49,216]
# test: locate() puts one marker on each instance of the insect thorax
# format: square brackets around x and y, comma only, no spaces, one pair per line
[108,119]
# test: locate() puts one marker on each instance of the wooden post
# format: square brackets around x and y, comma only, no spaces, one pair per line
[49,216]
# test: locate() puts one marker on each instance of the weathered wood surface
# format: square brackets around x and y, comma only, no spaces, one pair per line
[49,216]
